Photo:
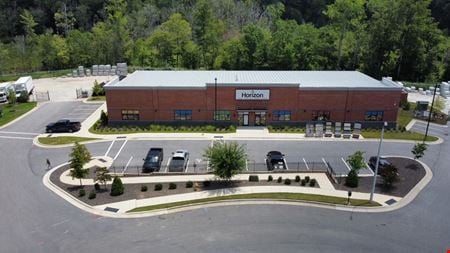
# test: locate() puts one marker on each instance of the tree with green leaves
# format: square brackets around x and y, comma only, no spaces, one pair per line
[102,175]
[12,99]
[356,162]
[78,158]
[28,22]
[346,16]
[117,187]
[419,150]
[390,176]
[226,159]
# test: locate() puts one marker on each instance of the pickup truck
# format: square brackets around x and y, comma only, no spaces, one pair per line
[153,160]
[63,126]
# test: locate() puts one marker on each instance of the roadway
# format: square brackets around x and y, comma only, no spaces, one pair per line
[34,219]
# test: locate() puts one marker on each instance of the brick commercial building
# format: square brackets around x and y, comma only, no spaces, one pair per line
[252,98]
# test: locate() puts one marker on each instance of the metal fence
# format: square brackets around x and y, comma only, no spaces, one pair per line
[40,96]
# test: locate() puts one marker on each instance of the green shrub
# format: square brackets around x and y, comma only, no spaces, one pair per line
[92,194]
[209,128]
[24,96]
[352,179]
[81,192]
[96,186]
[144,188]
[297,179]
[155,128]
[287,181]
[189,184]
[158,187]
[312,183]
[206,183]
[253,178]
[232,128]
[279,180]
[103,118]
[117,187]
[307,179]
[303,182]
[172,186]
[269,178]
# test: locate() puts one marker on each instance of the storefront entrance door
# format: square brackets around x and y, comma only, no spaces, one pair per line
[260,118]
[243,119]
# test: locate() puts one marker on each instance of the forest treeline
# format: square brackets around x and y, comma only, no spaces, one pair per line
[408,40]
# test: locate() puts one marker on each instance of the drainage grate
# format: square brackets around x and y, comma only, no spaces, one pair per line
[121,137]
[391,201]
[110,209]
[102,160]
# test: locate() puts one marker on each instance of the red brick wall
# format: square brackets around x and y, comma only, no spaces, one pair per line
[159,104]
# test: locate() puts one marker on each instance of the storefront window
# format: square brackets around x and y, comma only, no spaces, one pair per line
[183,114]
[223,116]
[374,116]
[281,115]
[130,115]
[321,115]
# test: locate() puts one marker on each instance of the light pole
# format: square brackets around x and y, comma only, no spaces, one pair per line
[431,111]
[215,98]
[378,161]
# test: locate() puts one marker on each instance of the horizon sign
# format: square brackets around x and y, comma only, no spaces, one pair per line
[252,94]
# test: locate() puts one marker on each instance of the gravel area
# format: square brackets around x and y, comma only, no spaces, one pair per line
[410,171]
[133,191]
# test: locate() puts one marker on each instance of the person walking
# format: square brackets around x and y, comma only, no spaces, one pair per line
[49,165]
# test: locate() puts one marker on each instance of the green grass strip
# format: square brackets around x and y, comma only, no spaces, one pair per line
[273,196]
[60,140]
[413,136]
[12,112]
[98,98]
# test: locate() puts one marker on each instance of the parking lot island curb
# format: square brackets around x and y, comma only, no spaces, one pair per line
[87,208]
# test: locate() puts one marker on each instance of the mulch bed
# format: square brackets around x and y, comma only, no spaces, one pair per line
[133,191]
[410,171]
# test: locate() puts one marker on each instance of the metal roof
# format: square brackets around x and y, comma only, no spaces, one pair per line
[301,79]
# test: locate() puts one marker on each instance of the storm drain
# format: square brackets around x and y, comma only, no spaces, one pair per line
[102,160]
[391,201]
[110,209]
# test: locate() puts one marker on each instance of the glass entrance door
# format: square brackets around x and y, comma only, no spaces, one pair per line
[260,118]
[243,118]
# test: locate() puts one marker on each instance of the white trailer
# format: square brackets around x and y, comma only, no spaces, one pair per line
[24,83]
[4,91]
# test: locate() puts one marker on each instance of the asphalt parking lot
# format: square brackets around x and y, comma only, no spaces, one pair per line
[128,156]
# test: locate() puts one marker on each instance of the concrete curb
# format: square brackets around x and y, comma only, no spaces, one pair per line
[38,144]
[87,208]
[23,115]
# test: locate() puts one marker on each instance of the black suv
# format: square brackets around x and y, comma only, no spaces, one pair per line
[383,165]
[153,160]
[275,161]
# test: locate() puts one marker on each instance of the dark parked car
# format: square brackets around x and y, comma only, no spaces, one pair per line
[275,161]
[63,126]
[382,165]
[153,160]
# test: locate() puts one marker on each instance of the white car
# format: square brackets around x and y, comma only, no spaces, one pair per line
[179,161]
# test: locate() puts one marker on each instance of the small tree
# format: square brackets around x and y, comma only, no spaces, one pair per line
[102,176]
[439,105]
[390,176]
[226,159]
[356,161]
[24,96]
[97,90]
[78,158]
[117,187]
[419,150]
[103,118]
[352,179]
[12,99]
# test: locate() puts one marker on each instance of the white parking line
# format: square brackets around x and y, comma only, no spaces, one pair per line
[120,150]
[20,133]
[325,162]
[343,160]
[126,166]
[17,138]
[285,163]
[307,167]
[187,165]
[167,166]
[369,169]
[246,164]
[109,148]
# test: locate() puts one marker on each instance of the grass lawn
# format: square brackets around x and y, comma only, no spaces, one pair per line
[277,196]
[99,98]
[63,140]
[10,113]
[36,75]
[397,135]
